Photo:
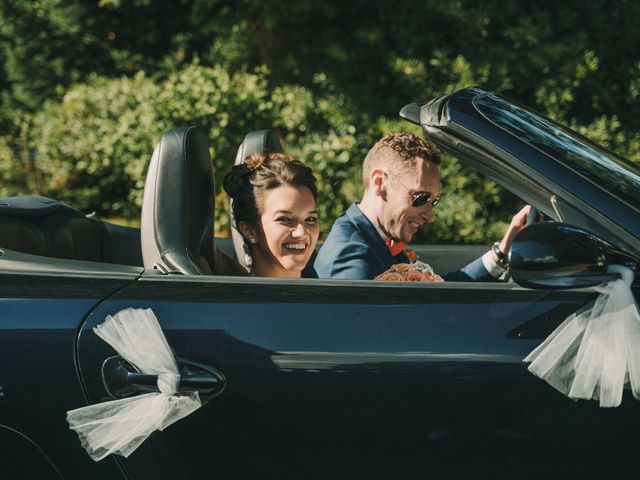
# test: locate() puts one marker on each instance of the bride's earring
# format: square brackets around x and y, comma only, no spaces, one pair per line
[248,260]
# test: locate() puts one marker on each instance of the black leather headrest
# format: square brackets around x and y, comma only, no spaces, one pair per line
[177,208]
[258,141]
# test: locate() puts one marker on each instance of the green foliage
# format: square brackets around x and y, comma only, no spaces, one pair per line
[94,145]
[92,148]
[88,87]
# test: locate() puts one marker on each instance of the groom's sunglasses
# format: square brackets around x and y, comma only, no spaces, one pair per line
[418,199]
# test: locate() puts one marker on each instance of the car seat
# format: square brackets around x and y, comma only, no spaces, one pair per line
[43,226]
[176,227]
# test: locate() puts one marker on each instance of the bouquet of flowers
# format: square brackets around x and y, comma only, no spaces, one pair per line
[410,272]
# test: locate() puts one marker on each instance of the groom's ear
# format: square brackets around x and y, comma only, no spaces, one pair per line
[378,181]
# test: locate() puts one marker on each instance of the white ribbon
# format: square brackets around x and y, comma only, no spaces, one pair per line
[120,426]
[595,351]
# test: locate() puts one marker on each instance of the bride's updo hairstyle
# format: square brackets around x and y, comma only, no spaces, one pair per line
[248,183]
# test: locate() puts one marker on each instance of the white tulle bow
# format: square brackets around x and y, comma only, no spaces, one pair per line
[120,426]
[595,351]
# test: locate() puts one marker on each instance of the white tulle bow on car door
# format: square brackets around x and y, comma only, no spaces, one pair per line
[120,426]
[595,352]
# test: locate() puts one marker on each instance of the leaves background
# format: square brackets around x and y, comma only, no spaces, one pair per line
[88,87]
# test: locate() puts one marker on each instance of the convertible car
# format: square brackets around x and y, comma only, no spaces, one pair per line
[317,378]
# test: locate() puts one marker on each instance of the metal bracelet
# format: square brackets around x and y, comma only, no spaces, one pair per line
[503,261]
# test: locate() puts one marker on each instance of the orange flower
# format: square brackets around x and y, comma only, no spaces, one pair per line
[401,267]
[389,277]
[410,272]
[415,277]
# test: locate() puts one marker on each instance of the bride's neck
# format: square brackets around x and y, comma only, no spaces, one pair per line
[259,269]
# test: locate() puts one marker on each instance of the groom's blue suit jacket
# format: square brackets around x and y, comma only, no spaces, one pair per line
[354,249]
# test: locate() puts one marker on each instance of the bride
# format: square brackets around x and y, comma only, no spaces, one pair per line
[274,205]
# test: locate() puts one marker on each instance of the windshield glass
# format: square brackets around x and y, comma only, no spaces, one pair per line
[618,176]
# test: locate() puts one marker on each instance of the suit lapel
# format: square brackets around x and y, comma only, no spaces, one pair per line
[368,231]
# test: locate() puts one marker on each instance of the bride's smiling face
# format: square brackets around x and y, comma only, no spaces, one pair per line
[287,232]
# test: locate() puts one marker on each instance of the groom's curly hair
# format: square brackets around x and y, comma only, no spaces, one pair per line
[397,152]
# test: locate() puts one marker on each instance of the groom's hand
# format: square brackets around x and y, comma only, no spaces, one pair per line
[518,222]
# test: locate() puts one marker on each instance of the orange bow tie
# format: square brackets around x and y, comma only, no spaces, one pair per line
[395,248]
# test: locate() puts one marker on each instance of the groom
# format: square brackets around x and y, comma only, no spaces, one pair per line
[401,188]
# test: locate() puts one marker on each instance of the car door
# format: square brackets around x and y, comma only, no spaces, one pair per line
[43,302]
[361,379]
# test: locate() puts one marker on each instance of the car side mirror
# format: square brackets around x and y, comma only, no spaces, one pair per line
[553,255]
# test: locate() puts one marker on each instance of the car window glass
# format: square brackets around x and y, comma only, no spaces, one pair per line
[618,176]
